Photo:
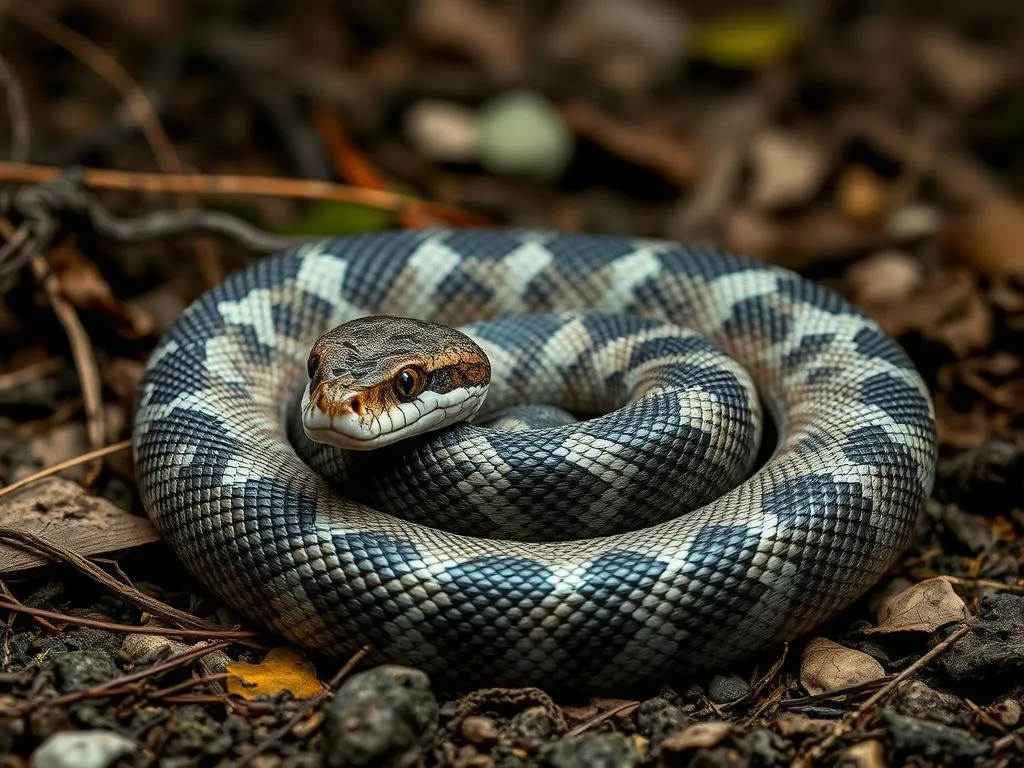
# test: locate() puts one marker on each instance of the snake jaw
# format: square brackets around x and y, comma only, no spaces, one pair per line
[361,421]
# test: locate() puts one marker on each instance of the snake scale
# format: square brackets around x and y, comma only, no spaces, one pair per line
[787,543]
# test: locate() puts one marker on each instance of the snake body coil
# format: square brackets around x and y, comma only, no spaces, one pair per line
[780,552]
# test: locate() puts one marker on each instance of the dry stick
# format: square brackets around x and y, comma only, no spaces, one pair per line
[220,634]
[134,97]
[133,595]
[310,705]
[11,599]
[849,722]
[72,462]
[85,361]
[203,184]
[586,725]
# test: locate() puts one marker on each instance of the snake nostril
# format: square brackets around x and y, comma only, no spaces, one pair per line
[357,406]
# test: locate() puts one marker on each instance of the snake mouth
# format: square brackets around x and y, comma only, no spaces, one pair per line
[354,423]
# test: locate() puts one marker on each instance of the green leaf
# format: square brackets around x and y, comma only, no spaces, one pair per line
[329,218]
[748,40]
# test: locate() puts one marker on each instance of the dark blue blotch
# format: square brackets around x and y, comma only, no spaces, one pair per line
[808,348]
[180,372]
[801,503]
[374,263]
[873,343]
[683,346]
[582,253]
[388,556]
[611,579]
[701,262]
[498,581]
[903,403]
[872,446]
[603,329]
[488,245]
[809,292]
[754,316]
[822,374]
[292,510]
[460,285]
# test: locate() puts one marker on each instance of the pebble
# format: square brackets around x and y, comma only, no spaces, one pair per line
[993,651]
[521,133]
[81,749]
[725,688]
[594,750]
[442,131]
[478,729]
[931,740]
[384,716]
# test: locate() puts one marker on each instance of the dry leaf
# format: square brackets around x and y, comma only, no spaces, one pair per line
[866,754]
[697,736]
[788,169]
[82,284]
[862,195]
[989,237]
[826,666]
[886,277]
[922,607]
[968,75]
[283,669]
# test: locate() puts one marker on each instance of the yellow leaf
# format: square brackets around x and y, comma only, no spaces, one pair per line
[283,669]
[748,40]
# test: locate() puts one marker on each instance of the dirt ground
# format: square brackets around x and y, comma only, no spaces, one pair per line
[151,148]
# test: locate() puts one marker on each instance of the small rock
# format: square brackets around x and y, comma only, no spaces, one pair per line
[922,607]
[912,222]
[77,670]
[522,134]
[479,730]
[658,718]
[384,716]
[917,700]
[442,131]
[594,750]
[994,648]
[532,727]
[726,688]
[826,666]
[931,740]
[81,749]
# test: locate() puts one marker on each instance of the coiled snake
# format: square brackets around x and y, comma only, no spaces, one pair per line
[780,547]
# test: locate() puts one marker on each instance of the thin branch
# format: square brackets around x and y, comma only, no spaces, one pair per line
[131,594]
[57,468]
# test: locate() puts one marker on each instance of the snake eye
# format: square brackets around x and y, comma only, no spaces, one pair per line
[409,383]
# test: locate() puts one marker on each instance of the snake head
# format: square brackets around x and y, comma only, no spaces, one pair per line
[380,379]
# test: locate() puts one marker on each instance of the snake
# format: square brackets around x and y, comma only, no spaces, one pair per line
[640,368]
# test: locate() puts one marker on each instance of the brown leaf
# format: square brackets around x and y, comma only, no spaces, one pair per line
[82,284]
[922,607]
[990,237]
[788,169]
[861,195]
[283,669]
[698,736]
[866,754]
[967,75]
[826,665]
